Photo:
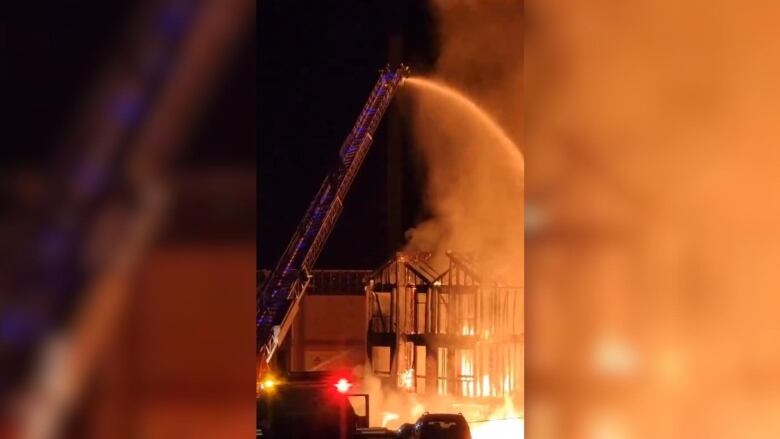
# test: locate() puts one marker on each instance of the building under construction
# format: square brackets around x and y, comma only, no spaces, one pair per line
[446,332]
[423,330]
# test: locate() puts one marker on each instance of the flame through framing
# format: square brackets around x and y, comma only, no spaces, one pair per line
[455,336]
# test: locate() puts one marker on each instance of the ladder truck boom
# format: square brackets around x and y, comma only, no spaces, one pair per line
[279,297]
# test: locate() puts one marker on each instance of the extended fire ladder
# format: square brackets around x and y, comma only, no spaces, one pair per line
[278,301]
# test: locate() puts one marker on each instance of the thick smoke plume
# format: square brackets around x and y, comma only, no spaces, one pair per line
[474,189]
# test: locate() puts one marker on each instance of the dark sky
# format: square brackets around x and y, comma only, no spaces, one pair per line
[317,64]
[52,54]
[50,51]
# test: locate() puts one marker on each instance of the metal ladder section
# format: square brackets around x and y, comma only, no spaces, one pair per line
[277,302]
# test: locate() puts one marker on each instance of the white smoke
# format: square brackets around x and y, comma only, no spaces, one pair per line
[474,190]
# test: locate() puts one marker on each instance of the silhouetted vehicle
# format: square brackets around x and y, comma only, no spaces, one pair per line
[405,431]
[441,426]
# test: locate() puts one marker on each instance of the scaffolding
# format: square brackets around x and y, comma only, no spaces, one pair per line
[446,332]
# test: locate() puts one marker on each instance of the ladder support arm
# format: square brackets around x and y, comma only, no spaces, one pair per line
[280,296]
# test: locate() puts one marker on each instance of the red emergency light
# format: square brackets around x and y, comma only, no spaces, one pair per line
[342,385]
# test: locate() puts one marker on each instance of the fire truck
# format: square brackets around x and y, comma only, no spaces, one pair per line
[310,405]
[313,405]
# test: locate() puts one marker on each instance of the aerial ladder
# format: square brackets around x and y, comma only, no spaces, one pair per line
[281,293]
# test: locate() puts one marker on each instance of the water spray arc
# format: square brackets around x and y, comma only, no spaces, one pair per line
[468,106]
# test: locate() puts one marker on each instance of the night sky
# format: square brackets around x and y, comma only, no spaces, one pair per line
[50,52]
[317,64]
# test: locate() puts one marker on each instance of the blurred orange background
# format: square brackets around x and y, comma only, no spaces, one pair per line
[651,152]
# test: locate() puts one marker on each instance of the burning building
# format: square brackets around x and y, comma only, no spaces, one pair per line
[426,331]
[446,332]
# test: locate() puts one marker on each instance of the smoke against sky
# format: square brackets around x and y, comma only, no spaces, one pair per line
[474,170]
